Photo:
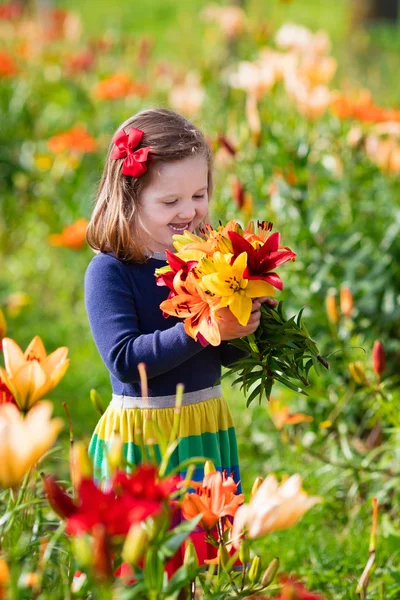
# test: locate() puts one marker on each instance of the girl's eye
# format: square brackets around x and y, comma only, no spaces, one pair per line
[202,196]
[170,203]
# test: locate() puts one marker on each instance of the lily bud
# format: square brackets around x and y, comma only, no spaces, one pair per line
[244,551]
[4,577]
[97,401]
[257,483]
[57,497]
[332,308]
[223,556]
[82,550]
[101,554]
[270,572]
[135,544]
[378,358]
[346,301]
[255,570]
[191,555]
[115,453]
[80,464]
[357,371]
[209,467]
[3,328]
[238,192]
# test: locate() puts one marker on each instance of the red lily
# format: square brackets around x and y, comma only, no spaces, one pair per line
[130,499]
[294,590]
[176,264]
[262,260]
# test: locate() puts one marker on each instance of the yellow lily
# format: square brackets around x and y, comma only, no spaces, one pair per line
[31,374]
[23,440]
[233,288]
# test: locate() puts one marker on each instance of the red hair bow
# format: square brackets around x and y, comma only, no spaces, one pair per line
[125,144]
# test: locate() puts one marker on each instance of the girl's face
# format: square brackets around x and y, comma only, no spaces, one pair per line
[175,199]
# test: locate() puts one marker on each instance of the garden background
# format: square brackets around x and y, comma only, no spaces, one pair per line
[314,148]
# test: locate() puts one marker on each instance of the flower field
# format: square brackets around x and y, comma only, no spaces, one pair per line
[302,110]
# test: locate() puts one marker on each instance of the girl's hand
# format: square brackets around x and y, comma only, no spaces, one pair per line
[229,326]
[268,300]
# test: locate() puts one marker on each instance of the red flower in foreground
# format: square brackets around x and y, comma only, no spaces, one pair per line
[294,590]
[130,499]
[262,260]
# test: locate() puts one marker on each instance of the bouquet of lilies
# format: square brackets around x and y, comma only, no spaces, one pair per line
[229,267]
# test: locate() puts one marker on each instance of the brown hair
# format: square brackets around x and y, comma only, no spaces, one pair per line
[170,137]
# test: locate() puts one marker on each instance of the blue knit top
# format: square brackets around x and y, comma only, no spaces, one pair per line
[123,305]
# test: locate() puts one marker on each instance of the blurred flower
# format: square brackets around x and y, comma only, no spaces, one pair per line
[360,106]
[4,578]
[332,307]
[28,580]
[238,192]
[24,439]
[188,97]
[292,589]
[311,101]
[253,118]
[385,153]
[8,67]
[355,137]
[215,497]
[58,24]
[80,61]
[78,582]
[119,85]
[146,45]
[378,358]
[256,79]
[102,562]
[281,416]
[16,302]
[231,19]
[318,69]
[300,39]
[44,162]
[72,236]
[5,394]
[76,139]
[226,143]
[135,544]
[128,499]
[357,371]
[31,374]
[3,328]
[57,497]
[346,301]
[10,11]
[272,508]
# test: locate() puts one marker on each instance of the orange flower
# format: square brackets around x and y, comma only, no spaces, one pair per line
[346,301]
[76,139]
[362,108]
[72,236]
[196,307]
[281,416]
[332,307]
[272,508]
[215,498]
[119,85]
[8,68]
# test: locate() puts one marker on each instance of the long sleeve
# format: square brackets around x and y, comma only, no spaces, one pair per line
[110,304]
[230,354]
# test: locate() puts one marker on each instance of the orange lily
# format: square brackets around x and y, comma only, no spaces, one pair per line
[196,307]
[72,236]
[31,374]
[215,498]
[76,139]
[119,85]
[281,416]
[23,440]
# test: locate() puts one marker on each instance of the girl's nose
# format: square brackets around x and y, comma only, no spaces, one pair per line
[187,213]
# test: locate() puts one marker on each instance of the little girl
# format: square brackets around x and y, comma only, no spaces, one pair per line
[157,182]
